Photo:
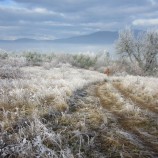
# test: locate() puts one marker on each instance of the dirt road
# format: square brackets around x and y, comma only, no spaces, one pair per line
[115,123]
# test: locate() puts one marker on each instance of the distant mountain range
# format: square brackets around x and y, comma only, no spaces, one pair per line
[100,37]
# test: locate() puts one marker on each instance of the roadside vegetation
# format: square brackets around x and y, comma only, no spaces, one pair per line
[64,106]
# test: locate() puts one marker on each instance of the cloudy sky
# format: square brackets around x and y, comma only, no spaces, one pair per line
[51,19]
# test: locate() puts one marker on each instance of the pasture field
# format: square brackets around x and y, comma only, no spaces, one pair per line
[68,112]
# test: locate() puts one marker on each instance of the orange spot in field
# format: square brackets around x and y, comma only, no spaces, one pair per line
[107,71]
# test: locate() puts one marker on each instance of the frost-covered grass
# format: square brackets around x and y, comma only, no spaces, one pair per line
[148,85]
[31,107]
[132,118]
[49,108]
[143,90]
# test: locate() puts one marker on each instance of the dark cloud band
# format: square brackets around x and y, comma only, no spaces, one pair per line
[65,18]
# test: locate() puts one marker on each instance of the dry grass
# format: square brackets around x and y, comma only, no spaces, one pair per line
[58,112]
[142,90]
[34,119]
[145,101]
[130,118]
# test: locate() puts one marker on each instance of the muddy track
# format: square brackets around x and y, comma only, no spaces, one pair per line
[123,135]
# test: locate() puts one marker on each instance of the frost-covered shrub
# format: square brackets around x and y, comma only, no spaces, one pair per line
[65,58]
[37,59]
[49,65]
[8,72]
[83,61]
[103,60]
[16,61]
[123,66]
[33,58]
[78,60]
[3,55]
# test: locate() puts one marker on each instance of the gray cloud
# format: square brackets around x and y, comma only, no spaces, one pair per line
[50,19]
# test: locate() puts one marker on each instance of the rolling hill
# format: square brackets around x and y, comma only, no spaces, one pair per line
[101,37]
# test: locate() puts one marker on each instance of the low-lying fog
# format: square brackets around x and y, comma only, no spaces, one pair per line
[55,47]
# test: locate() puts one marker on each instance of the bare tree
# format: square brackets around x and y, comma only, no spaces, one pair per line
[142,48]
[151,50]
[125,43]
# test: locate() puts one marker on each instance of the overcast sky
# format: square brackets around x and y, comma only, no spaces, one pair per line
[50,19]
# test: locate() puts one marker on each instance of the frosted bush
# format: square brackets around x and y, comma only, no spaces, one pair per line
[17,61]
[8,72]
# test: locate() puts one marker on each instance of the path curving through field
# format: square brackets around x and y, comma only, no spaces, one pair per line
[118,126]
